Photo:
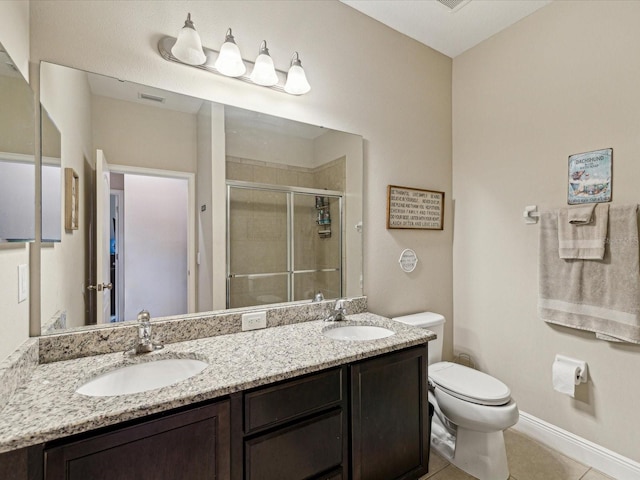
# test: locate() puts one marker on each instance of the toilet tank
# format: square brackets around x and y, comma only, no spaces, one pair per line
[430,321]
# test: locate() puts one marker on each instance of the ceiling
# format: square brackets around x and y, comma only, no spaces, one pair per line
[448,26]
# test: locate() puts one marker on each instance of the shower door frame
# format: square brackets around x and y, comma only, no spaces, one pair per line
[290,273]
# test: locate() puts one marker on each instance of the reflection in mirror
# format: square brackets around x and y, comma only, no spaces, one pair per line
[51,180]
[188,206]
[17,161]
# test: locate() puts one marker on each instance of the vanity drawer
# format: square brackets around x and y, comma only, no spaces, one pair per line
[293,399]
[302,450]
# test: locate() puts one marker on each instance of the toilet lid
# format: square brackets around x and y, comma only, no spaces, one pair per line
[469,384]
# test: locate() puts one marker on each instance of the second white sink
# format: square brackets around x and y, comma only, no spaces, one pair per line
[141,377]
[357,332]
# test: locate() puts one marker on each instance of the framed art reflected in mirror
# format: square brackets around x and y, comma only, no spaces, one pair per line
[71,189]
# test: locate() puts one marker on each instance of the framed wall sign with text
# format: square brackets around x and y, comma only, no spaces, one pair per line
[414,208]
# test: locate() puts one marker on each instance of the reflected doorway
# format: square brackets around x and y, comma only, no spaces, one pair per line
[150,235]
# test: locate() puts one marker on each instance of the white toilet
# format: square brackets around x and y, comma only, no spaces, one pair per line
[472,409]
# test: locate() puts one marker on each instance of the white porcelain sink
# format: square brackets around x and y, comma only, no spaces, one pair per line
[141,377]
[357,332]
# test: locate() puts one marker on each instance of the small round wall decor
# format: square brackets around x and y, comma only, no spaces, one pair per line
[408,260]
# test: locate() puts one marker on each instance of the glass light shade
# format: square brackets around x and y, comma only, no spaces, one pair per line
[188,46]
[264,73]
[229,61]
[297,83]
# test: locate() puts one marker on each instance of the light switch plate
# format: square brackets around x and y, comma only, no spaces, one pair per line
[23,282]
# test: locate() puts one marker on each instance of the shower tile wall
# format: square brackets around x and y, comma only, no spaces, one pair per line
[258,227]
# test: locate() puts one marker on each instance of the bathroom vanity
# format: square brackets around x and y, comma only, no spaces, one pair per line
[280,403]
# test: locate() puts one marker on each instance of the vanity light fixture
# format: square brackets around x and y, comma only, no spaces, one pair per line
[297,83]
[229,61]
[187,49]
[264,73]
[188,46]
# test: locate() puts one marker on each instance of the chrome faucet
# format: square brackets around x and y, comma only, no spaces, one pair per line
[145,344]
[318,297]
[339,312]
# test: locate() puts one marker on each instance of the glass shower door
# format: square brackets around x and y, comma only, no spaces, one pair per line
[258,264]
[317,246]
[283,244]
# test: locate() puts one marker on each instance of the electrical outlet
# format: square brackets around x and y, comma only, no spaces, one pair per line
[254,320]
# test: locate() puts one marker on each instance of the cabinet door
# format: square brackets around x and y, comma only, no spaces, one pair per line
[193,444]
[389,416]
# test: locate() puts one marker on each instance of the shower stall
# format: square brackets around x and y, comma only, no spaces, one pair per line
[283,243]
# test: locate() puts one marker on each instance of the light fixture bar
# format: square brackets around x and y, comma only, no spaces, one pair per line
[166,43]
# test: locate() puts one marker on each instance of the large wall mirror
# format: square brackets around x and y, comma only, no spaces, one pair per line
[180,205]
[17,159]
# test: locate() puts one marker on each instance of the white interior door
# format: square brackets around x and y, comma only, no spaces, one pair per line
[103,217]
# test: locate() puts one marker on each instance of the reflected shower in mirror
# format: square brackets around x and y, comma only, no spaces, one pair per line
[187,205]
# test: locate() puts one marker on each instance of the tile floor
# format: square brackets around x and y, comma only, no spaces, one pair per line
[528,460]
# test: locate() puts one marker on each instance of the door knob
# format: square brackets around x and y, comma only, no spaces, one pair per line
[100,287]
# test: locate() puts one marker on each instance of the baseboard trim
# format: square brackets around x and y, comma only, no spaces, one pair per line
[578,448]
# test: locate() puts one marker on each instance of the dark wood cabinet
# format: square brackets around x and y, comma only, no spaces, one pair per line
[190,445]
[22,464]
[390,425]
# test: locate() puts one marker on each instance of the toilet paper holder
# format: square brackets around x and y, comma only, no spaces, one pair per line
[583,370]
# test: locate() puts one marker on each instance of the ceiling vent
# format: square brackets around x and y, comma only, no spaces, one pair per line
[453,5]
[153,98]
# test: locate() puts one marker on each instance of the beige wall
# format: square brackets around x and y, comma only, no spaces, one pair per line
[17,118]
[14,32]
[260,144]
[204,297]
[562,81]
[405,118]
[144,136]
[66,95]
[14,320]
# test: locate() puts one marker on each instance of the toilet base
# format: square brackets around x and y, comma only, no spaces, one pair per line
[481,454]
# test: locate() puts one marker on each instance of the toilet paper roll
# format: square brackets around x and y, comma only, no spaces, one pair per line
[565,377]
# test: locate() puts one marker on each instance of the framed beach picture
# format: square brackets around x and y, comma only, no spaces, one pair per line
[590,177]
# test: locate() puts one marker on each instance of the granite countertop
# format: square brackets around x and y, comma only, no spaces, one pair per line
[46,406]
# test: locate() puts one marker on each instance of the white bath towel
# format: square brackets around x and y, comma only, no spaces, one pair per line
[585,240]
[602,296]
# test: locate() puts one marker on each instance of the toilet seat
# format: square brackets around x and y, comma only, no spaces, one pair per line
[468,384]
